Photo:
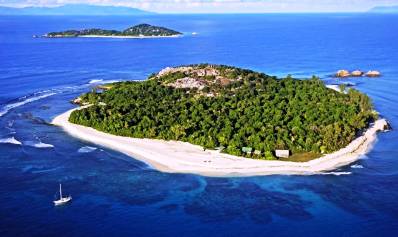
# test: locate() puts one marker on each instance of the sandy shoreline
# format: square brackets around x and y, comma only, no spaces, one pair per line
[182,157]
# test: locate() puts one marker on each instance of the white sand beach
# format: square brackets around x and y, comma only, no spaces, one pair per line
[182,157]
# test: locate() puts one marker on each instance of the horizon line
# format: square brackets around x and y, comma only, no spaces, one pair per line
[197,12]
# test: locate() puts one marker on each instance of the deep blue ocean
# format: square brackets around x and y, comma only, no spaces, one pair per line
[115,195]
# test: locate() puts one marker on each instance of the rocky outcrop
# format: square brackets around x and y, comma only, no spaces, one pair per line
[188,82]
[357,73]
[206,78]
[169,70]
[77,101]
[343,73]
[373,74]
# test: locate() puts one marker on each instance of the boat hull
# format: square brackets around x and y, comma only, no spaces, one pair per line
[62,201]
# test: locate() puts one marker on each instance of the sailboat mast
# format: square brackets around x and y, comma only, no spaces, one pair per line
[60,191]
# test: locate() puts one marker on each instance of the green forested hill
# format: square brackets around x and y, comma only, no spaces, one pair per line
[136,31]
[221,106]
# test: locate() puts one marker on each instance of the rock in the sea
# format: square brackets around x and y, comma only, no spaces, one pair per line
[382,125]
[77,101]
[343,73]
[373,74]
[357,73]
[387,126]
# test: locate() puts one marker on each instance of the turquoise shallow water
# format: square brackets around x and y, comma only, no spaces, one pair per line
[116,195]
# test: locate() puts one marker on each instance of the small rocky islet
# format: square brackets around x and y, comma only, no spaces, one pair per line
[357,73]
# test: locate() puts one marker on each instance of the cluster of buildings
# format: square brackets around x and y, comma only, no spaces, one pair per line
[278,153]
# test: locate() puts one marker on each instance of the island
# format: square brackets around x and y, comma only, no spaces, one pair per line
[219,120]
[137,31]
[385,9]
[74,10]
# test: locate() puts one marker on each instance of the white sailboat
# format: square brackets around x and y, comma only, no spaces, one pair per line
[62,200]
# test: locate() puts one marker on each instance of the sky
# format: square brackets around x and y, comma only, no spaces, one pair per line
[221,6]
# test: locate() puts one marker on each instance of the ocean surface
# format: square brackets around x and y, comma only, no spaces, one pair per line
[115,195]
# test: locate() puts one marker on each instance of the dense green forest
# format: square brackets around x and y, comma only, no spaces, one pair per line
[233,108]
[138,30]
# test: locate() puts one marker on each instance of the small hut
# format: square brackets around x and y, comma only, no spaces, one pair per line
[282,153]
[247,150]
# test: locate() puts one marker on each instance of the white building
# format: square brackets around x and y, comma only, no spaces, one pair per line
[282,153]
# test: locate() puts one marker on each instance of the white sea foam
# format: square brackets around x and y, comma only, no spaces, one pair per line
[10,123]
[44,170]
[44,145]
[24,100]
[10,140]
[9,126]
[95,81]
[333,87]
[336,88]
[337,173]
[38,144]
[101,81]
[356,166]
[40,95]
[86,149]
[46,93]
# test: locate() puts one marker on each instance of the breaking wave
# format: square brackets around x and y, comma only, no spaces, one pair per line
[10,140]
[38,96]
[24,100]
[43,145]
[38,144]
[46,93]
[337,173]
[86,149]
[356,166]
[101,81]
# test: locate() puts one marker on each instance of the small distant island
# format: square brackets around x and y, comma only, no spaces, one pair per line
[137,31]
[73,10]
[222,120]
[385,9]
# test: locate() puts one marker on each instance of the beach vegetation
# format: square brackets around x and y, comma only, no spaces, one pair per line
[250,111]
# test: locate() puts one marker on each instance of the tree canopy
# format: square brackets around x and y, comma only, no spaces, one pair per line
[252,110]
[137,30]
